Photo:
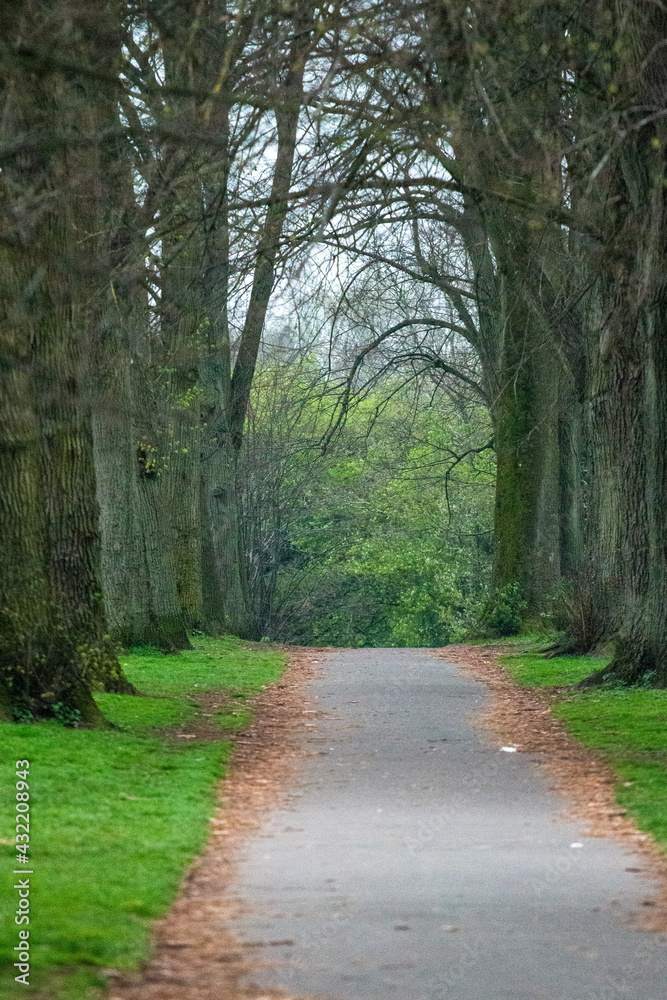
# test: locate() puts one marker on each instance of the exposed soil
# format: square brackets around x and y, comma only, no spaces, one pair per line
[204,726]
[195,956]
[521,717]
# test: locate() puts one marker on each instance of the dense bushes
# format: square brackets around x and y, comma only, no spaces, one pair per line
[385,540]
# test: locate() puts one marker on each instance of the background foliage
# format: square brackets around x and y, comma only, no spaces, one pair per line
[383,540]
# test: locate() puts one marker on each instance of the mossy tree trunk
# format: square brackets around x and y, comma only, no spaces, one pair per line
[151,458]
[123,327]
[26,608]
[531,395]
[124,576]
[181,321]
[525,415]
[506,146]
[195,260]
[628,342]
[55,643]
[131,456]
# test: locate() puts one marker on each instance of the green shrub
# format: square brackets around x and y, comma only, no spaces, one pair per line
[502,613]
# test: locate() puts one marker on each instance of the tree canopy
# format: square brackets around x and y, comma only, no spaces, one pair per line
[288,289]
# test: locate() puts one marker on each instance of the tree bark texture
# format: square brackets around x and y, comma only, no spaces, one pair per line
[505,142]
[629,355]
[53,268]
[125,575]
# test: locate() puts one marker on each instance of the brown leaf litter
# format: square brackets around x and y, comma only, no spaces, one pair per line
[195,956]
[522,717]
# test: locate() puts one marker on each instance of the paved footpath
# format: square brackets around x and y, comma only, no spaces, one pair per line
[415,860]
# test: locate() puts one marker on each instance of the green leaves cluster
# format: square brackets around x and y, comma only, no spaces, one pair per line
[386,539]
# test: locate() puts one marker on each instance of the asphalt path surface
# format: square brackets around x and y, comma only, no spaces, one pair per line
[414,859]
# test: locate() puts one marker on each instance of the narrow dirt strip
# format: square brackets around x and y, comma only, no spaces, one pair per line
[194,956]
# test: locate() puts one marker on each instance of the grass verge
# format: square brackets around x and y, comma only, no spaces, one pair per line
[626,726]
[116,815]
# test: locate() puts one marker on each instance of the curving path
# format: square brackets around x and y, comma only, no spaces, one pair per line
[415,860]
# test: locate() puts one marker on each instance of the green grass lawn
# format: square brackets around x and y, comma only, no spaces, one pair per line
[626,726]
[116,815]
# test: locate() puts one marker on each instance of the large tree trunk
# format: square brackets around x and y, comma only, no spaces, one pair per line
[155,492]
[222,565]
[513,154]
[630,421]
[629,382]
[120,351]
[630,438]
[224,532]
[137,471]
[526,406]
[181,319]
[54,269]
[26,610]
[193,295]
[222,554]
[528,503]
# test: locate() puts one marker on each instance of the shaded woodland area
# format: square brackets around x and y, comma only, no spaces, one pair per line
[273,269]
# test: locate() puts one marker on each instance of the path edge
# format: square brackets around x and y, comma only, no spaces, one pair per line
[521,717]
